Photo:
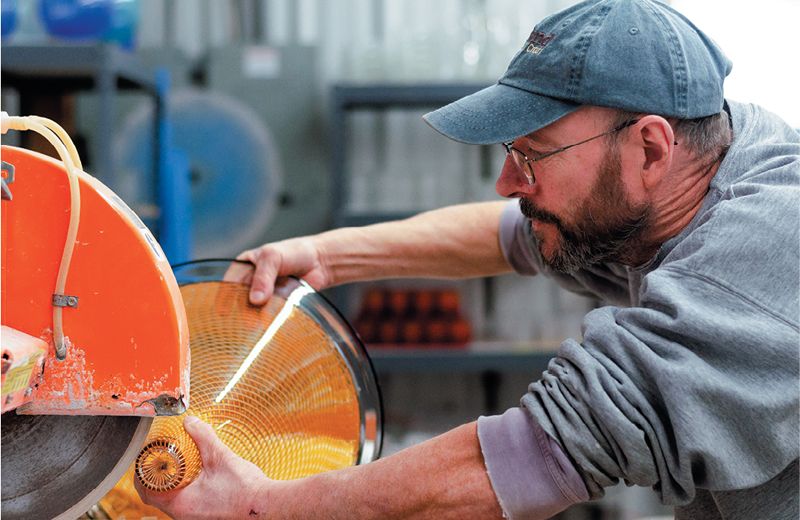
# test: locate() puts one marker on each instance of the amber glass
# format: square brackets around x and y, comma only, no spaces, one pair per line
[278,394]
[273,383]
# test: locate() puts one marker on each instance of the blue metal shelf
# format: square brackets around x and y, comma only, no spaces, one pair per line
[385,95]
[81,64]
[488,360]
[375,217]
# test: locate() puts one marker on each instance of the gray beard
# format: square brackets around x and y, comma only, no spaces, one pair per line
[611,235]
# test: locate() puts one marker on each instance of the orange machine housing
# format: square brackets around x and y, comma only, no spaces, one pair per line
[128,348]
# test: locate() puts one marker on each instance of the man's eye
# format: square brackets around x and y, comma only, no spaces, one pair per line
[535,154]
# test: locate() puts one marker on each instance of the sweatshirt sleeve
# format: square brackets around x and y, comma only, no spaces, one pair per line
[694,388]
[530,474]
[514,243]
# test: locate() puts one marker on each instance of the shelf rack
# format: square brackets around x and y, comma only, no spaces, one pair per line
[48,70]
[346,98]
[470,359]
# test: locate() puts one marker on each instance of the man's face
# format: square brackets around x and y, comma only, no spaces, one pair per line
[604,226]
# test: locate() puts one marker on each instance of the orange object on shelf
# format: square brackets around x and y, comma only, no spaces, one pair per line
[389,331]
[424,302]
[374,302]
[367,329]
[399,303]
[412,331]
[436,331]
[460,331]
[448,303]
[413,317]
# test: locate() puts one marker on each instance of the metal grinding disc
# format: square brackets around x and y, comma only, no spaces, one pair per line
[57,466]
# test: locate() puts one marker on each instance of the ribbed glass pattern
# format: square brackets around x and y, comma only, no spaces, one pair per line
[281,396]
[280,391]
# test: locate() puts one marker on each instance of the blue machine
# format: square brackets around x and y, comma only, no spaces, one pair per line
[108,20]
[233,169]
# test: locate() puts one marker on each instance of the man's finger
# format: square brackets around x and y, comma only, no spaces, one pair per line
[211,449]
[263,283]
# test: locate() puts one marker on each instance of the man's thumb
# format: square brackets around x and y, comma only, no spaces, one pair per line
[210,447]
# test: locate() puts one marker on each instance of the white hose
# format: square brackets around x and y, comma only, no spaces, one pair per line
[62,134]
[72,163]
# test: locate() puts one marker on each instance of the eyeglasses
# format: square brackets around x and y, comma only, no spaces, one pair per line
[525,163]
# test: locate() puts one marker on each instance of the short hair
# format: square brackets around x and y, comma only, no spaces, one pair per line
[703,137]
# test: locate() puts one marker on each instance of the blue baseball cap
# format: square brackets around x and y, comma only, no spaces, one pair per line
[635,55]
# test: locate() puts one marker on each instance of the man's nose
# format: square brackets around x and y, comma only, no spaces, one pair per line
[512,182]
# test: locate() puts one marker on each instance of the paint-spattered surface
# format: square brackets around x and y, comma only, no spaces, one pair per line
[128,336]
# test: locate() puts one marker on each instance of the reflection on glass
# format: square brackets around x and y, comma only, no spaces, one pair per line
[269,380]
[272,383]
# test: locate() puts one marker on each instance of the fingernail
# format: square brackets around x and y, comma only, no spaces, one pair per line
[190,421]
[257,297]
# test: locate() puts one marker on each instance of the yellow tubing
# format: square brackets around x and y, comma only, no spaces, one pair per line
[69,156]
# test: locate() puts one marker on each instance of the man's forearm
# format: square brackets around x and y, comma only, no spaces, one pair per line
[444,477]
[453,242]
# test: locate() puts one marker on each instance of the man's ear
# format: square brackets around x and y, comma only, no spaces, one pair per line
[655,136]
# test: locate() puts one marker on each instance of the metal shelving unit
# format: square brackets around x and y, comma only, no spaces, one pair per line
[489,359]
[491,364]
[346,98]
[48,70]
[470,359]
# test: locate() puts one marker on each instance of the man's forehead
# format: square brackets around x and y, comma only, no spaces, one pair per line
[539,137]
[585,118]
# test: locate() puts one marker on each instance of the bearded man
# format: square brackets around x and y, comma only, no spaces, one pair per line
[633,180]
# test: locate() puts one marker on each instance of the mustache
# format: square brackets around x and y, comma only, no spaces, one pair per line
[530,210]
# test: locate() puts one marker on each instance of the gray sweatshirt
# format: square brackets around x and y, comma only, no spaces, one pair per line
[687,381]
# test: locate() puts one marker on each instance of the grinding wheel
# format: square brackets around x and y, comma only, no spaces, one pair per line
[57,466]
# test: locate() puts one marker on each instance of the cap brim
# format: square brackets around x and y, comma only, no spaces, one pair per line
[497,114]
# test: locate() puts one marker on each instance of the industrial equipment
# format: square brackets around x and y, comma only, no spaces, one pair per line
[95,342]
[235,173]
[287,386]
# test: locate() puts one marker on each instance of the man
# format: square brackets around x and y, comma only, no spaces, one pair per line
[635,182]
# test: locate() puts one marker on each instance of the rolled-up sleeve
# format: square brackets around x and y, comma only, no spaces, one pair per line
[530,474]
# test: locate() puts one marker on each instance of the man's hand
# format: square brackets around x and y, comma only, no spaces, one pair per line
[298,256]
[227,487]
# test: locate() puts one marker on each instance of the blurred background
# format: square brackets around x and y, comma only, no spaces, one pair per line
[229,123]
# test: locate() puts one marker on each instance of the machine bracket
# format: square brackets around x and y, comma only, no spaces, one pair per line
[166,404]
[63,300]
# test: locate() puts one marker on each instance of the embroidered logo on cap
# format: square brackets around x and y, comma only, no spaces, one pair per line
[537,41]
